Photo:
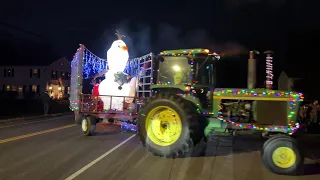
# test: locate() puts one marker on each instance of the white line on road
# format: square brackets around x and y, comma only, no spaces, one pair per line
[32,122]
[98,159]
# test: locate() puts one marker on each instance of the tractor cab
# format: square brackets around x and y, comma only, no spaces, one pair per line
[190,71]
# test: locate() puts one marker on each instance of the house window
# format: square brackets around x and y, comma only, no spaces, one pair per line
[66,76]
[20,89]
[54,75]
[68,90]
[34,88]
[35,73]
[8,88]
[14,88]
[8,72]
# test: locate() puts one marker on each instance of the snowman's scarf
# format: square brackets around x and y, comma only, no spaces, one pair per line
[121,78]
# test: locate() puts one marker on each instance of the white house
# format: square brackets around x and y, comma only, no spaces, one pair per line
[287,80]
[55,78]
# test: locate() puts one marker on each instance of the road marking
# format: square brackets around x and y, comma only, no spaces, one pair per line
[35,134]
[32,117]
[98,159]
[32,122]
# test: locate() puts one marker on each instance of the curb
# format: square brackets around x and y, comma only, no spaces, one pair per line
[33,117]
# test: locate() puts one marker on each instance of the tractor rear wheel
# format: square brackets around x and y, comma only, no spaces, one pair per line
[168,126]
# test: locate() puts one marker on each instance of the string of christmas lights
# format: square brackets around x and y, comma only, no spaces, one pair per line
[188,52]
[293,96]
[76,79]
[258,93]
[133,64]
[191,53]
[129,127]
[92,64]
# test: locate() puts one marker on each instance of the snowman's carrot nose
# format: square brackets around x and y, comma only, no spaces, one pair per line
[125,48]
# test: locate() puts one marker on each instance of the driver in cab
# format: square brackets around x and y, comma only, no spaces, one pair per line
[179,76]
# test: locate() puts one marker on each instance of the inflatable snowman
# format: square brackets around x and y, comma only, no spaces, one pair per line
[117,57]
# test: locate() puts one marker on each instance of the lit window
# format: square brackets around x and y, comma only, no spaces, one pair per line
[34,88]
[68,90]
[20,89]
[35,73]
[8,88]
[14,88]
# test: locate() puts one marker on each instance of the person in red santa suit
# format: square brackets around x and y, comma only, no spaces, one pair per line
[95,95]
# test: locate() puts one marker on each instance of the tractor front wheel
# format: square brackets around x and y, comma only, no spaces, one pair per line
[168,126]
[281,155]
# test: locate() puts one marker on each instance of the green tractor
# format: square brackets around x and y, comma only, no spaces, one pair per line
[178,106]
[186,108]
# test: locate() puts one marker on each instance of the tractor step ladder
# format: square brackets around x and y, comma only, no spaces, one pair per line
[144,77]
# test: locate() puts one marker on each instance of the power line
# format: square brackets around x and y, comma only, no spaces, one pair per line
[25,31]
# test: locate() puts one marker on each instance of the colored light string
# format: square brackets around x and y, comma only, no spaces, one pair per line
[293,96]
[291,117]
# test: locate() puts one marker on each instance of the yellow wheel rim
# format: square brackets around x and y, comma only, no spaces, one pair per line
[163,126]
[284,157]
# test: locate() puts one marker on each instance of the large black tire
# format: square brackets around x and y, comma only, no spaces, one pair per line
[192,129]
[278,142]
[88,125]
[78,118]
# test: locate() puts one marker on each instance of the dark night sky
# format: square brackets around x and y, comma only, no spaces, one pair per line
[53,29]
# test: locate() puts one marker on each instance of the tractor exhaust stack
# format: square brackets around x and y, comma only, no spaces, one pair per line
[251,71]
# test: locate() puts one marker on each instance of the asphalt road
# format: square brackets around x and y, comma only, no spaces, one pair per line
[53,148]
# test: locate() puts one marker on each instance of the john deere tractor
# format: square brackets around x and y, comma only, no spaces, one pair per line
[186,108]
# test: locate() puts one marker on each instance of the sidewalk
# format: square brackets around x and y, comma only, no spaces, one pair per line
[35,116]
